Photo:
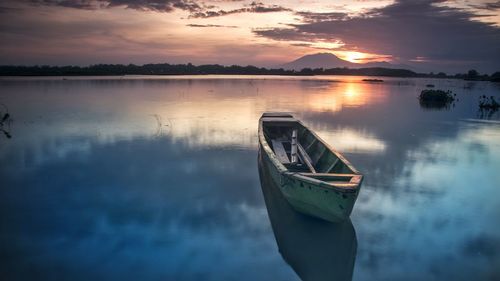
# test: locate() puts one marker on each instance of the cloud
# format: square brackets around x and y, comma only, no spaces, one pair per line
[142,5]
[406,30]
[411,32]
[287,34]
[157,5]
[315,17]
[491,6]
[195,8]
[4,10]
[81,38]
[254,7]
[211,25]
[77,4]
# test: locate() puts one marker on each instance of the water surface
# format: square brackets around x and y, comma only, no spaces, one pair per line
[156,178]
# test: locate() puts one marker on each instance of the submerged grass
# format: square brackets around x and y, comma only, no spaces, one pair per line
[5,122]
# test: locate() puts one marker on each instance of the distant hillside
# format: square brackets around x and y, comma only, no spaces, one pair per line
[328,60]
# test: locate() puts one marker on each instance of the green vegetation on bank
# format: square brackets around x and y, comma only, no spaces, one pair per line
[190,69]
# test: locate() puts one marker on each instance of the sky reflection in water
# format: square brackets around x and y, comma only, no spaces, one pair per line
[157,178]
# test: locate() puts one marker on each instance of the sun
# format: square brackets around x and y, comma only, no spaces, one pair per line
[353,56]
[360,57]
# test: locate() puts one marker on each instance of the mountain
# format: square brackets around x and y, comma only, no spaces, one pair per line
[319,60]
[328,60]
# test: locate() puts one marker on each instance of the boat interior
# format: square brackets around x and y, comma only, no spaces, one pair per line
[300,151]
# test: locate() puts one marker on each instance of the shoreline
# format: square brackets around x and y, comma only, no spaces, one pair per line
[319,77]
[204,70]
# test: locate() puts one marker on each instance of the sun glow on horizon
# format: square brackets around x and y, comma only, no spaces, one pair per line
[354,57]
[361,57]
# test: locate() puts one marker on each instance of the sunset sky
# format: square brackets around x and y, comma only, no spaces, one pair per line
[451,36]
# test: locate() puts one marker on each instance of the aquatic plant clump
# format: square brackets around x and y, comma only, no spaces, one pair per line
[488,103]
[436,99]
[436,96]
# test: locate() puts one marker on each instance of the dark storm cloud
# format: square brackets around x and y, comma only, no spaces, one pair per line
[406,30]
[254,7]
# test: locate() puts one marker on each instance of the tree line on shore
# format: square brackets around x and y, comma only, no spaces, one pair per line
[190,69]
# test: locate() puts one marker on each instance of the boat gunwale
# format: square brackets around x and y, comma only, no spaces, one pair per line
[341,187]
[349,187]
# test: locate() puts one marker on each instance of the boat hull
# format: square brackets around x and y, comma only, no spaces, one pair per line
[309,196]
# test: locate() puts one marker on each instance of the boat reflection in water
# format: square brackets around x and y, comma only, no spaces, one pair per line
[314,248]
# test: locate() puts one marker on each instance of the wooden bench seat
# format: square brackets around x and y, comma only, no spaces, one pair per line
[280,152]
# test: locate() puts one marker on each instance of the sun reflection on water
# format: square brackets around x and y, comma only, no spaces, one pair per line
[340,95]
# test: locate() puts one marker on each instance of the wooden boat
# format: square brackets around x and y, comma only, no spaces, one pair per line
[313,177]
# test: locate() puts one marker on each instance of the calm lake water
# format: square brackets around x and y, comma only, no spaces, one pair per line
[157,178]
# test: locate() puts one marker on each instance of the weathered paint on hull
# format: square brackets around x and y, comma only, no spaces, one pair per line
[310,198]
